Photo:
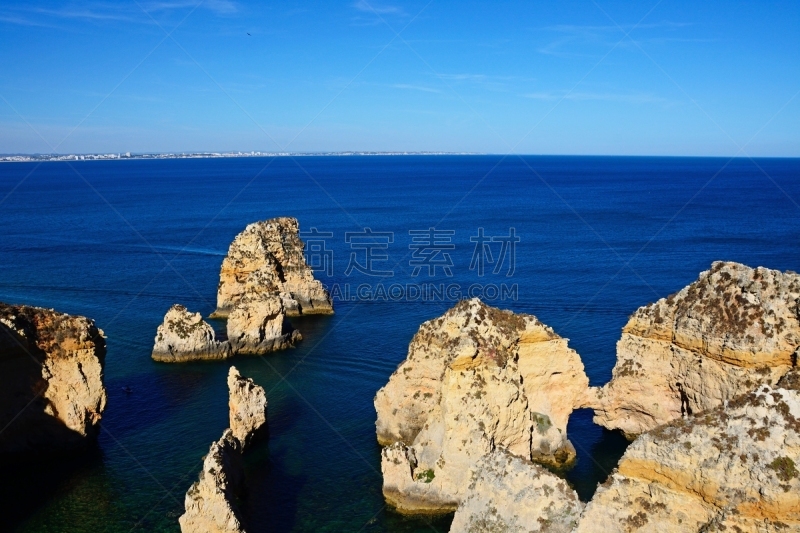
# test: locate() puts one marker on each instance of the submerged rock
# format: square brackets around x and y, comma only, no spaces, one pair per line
[475,380]
[51,380]
[511,495]
[732,329]
[211,501]
[734,468]
[185,336]
[266,259]
[257,327]
[248,408]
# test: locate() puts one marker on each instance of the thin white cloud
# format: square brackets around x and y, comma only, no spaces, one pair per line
[464,77]
[573,40]
[583,29]
[380,9]
[89,14]
[225,7]
[488,82]
[109,12]
[480,78]
[633,98]
[22,21]
[410,87]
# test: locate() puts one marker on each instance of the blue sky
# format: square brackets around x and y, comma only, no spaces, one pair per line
[590,77]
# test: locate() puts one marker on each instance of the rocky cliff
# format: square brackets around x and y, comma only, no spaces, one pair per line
[51,380]
[732,329]
[734,468]
[211,501]
[510,495]
[185,336]
[248,408]
[259,326]
[267,259]
[475,379]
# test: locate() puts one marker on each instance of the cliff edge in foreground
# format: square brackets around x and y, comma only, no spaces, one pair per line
[51,380]
[733,468]
[510,495]
[730,469]
[475,380]
[734,328]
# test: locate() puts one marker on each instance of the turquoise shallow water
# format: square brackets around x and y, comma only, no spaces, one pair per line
[121,241]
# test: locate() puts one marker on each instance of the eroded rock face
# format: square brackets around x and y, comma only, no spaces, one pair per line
[475,380]
[734,468]
[732,329]
[185,336]
[248,408]
[211,501]
[257,327]
[267,259]
[51,380]
[511,495]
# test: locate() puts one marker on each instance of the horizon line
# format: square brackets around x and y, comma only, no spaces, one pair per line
[231,154]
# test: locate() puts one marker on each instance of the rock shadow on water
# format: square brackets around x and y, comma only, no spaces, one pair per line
[312,326]
[390,520]
[31,484]
[599,451]
[273,485]
[271,501]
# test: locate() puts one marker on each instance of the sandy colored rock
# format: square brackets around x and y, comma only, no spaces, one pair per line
[267,259]
[51,380]
[248,408]
[211,501]
[257,327]
[511,495]
[732,329]
[733,468]
[185,336]
[475,379]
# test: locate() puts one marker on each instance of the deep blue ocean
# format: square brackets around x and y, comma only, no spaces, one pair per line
[121,241]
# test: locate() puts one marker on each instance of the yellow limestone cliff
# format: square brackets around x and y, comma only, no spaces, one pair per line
[475,380]
[211,502]
[733,468]
[731,330]
[266,259]
[51,380]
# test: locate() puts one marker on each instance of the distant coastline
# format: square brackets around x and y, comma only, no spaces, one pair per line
[28,158]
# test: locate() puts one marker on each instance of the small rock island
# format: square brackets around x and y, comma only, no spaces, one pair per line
[265,260]
[185,336]
[264,279]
